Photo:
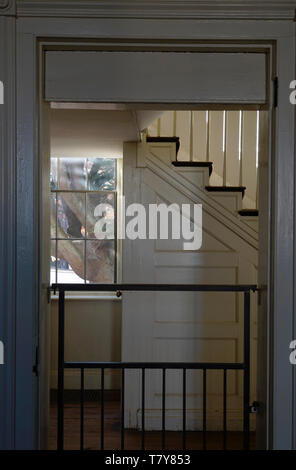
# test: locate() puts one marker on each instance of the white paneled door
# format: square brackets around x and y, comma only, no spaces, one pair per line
[184,326]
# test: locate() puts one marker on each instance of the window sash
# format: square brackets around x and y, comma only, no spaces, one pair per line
[85,239]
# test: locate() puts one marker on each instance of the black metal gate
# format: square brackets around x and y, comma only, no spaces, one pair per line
[143,366]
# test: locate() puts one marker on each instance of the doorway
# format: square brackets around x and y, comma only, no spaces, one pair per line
[239,140]
[260,97]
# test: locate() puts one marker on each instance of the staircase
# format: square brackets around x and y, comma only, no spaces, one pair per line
[199,173]
[225,142]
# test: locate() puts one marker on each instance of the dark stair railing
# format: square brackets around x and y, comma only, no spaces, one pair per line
[163,366]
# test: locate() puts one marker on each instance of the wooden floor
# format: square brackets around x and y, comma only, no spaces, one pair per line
[132,438]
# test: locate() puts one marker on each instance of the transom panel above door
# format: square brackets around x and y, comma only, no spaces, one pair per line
[157,77]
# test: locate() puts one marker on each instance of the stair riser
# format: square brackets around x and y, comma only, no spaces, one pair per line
[231,201]
[197,176]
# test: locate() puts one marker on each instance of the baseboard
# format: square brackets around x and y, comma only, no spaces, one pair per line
[194,420]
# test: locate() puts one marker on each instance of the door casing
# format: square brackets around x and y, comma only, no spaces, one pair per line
[278,36]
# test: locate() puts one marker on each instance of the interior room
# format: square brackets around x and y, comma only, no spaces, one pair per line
[148,255]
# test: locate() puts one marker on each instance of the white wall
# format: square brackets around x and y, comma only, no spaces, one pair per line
[90,132]
[93,328]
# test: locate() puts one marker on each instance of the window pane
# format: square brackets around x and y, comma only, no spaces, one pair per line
[71,215]
[72,173]
[53,203]
[53,173]
[100,258]
[53,262]
[70,261]
[100,215]
[101,174]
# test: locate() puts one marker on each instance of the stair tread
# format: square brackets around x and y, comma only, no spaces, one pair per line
[249,212]
[176,140]
[198,164]
[230,189]
[191,164]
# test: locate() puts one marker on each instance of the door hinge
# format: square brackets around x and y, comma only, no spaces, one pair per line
[36,365]
[275,92]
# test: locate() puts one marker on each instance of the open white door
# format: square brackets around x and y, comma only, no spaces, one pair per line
[183,326]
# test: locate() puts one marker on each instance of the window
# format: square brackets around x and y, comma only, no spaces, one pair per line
[78,187]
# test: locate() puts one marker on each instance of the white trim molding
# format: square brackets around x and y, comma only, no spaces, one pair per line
[169,9]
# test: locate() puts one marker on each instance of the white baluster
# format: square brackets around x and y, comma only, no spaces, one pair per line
[208,135]
[257,157]
[191,137]
[240,139]
[224,148]
[175,124]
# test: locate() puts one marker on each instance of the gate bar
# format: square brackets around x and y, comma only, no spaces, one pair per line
[246,370]
[102,406]
[81,408]
[143,409]
[61,362]
[155,287]
[122,407]
[204,411]
[163,407]
[184,409]
[224,409]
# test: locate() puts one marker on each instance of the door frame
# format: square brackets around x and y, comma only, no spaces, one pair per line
[279,35]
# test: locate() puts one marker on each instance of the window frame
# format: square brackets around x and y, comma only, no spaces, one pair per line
[117,246]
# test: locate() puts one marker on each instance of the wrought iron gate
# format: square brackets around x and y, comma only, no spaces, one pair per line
[143,366]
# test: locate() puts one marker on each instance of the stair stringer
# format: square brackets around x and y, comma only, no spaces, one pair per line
[227,220]
[236,243]
[217,180]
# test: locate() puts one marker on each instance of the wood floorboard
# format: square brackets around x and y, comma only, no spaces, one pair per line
[112,433]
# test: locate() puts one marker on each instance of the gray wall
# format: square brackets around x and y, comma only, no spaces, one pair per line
[93,333]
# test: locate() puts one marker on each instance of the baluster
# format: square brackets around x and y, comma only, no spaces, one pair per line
[257,158]
[191,137]
[240,183]
[208,135]
[224,148]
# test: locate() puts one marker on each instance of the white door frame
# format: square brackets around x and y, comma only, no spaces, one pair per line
[23,419]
